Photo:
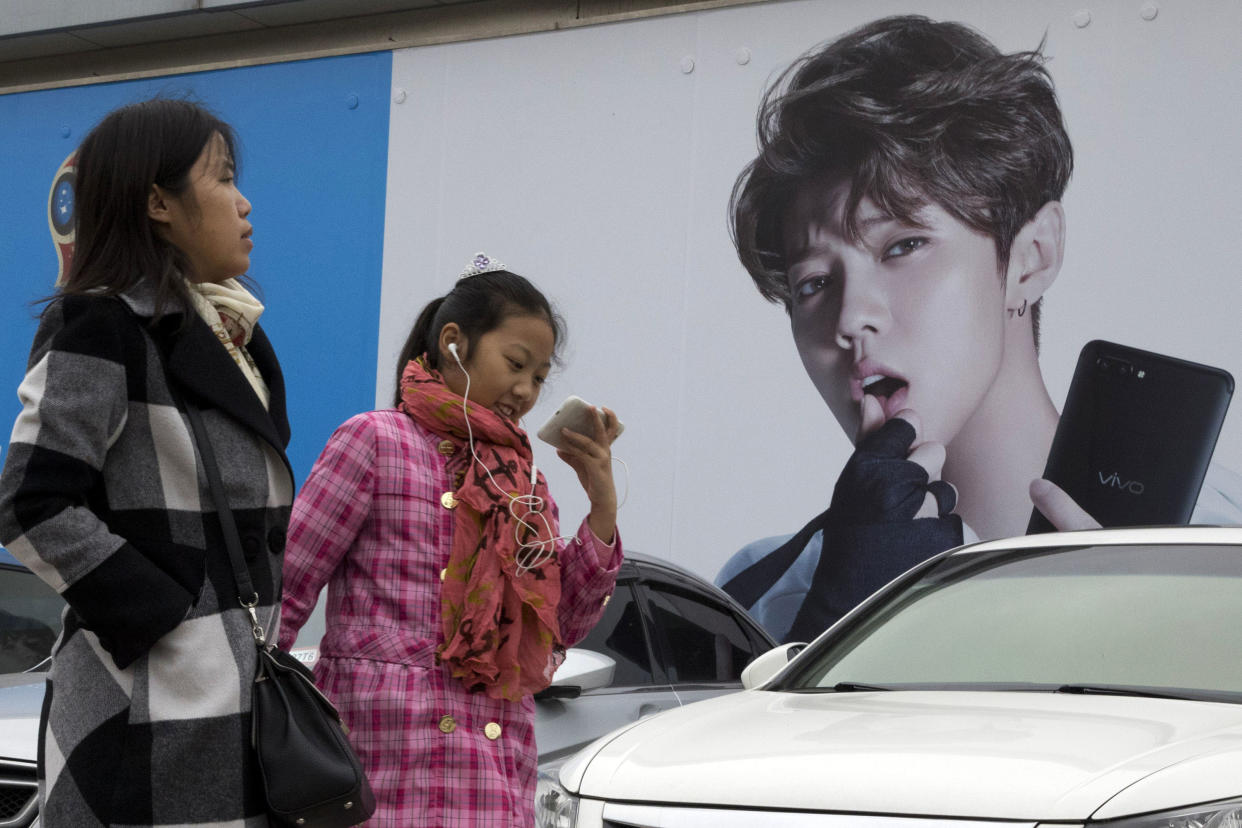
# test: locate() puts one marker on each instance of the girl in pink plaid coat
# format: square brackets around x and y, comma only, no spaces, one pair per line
[451,594]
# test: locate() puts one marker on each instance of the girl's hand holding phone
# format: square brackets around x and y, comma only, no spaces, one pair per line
[590,455]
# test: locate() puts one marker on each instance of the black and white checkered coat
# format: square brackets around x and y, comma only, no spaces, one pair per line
[147,717]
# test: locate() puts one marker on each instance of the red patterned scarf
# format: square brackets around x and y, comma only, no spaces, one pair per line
[501,634]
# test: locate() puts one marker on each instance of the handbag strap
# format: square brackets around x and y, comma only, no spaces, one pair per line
[232,540]
[228,526]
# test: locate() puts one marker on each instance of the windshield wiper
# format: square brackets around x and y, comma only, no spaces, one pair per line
[1108,690]
[856,687]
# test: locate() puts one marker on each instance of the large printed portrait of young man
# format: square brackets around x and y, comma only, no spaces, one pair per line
[905,209]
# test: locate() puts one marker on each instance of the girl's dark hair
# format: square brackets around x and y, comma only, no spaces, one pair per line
[478,304]
[133,148]
[908,111]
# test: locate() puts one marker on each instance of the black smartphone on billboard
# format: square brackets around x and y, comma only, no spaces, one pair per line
[1136,435]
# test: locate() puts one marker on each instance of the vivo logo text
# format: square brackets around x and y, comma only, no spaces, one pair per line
[1114,481]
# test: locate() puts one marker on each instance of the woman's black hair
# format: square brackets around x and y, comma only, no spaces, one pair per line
[153,142]
[477,304]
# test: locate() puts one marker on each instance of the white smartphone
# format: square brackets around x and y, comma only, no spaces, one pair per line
[575,415]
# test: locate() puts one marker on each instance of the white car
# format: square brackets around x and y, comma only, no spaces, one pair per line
[1086,678]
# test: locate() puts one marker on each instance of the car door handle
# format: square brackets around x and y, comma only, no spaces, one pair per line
[648,709]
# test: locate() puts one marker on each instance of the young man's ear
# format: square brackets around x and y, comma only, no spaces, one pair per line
[1035,259]
[157,206]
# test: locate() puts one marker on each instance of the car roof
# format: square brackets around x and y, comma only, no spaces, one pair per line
[641,560]
[1135,535]
[636,563]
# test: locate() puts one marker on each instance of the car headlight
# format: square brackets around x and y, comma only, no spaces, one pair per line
[1215,815]
[556,807]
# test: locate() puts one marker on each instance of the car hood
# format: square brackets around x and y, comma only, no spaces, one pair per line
[1026,756]
[21,699]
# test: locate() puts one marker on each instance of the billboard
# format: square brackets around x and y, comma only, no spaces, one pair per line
[599,162]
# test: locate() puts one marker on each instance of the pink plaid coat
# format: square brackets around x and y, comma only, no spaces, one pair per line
[369,524]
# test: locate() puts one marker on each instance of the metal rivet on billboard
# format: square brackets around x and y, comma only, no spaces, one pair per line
[742,56]
[1082,18]
[351,101]
[65,132]
[1149,11]
[398,95]
[687,65]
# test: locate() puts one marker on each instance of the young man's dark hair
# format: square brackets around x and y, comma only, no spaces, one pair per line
[909,111]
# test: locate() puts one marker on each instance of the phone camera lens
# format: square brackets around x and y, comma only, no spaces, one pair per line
[1104,364]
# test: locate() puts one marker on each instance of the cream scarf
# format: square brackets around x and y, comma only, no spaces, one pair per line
[232,313]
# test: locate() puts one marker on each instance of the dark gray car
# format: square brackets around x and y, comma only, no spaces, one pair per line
[674,638]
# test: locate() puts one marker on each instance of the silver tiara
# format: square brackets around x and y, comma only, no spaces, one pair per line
[481,263]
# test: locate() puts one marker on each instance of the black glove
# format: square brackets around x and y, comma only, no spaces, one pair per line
[870,534]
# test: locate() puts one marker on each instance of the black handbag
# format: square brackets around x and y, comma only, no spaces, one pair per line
[311,775]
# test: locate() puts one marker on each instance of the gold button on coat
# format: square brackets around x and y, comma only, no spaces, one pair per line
[492,731]
[447,725]
[448,500]
[443,572]
[447,448]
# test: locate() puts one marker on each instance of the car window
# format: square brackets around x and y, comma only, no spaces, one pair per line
[29,619]
[619,634]
[700,638]
[1072,616]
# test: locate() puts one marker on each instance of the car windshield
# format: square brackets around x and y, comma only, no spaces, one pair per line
[1150,620]
[29,618]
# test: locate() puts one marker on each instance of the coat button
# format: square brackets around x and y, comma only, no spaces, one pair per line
[276,540]
[447,448]
[492,731]
[443,572]
[251,545]
[448,501]
[447,725]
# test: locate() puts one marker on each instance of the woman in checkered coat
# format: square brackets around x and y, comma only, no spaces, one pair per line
[146,715]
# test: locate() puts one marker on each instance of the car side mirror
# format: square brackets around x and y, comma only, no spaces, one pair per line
[582,670]
[766,666]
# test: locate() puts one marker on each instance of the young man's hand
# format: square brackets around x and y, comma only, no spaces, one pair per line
[889,511]
[873,449]
[1061,510]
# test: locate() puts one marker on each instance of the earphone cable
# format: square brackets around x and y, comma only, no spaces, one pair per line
[540,550]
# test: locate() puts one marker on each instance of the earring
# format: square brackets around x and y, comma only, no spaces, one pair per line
[1020,311]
